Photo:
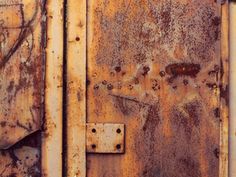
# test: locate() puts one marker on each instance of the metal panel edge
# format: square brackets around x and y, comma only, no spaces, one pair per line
[52,135]
[76,88]
[223,171]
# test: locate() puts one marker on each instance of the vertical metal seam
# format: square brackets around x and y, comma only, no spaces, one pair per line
[224,109]
[64,94]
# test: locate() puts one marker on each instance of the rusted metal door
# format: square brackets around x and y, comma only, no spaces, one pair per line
[144,91]
[160,68]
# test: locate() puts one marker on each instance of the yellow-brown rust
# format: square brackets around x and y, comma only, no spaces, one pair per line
[156,66]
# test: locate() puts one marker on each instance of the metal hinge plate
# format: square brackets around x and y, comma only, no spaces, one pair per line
[105,138]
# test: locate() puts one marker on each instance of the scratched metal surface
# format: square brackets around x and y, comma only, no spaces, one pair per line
[156,66]
[21,86]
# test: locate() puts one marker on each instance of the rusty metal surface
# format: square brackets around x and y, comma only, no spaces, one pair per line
[232,131]
[21,86]
[23,159]
[51,149]
[156,67]
[20,70]
[76,88]
[224,92]
[105,138]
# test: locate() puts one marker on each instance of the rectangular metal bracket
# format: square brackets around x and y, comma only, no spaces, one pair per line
[105,138]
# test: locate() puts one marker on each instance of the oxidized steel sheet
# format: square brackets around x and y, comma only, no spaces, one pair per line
[155,66]
[21,84]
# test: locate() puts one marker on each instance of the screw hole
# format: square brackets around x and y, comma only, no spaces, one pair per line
[94,130]
[118,146]
[94,146]
[118,130]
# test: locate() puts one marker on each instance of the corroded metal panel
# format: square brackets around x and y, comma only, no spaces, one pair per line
[224,92]
[51,152]
[75,102]
[21,86]
[156,67]
[20,70]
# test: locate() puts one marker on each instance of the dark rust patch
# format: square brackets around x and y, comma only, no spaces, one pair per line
[146,69]
[3,123]
[118,69]
[151,131]
[155,85]
[215,70]
[188,117]
[162,73]
[212,85]
[12,175]
[11,86]
[185,81]
[216,21]
[217,112]
[79,96]
[217,153]
[152,119]
[88,82]
[110,86]
[189,167]
[104,82]
[194,111]
[183,69]
[224,93]
[136,80]
[96,87]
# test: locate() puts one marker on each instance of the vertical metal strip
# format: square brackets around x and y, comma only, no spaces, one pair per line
[232,135]
[224,92]
[76,88]
[52,135]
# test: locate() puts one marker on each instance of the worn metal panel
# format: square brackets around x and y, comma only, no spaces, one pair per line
[52,134]
[224,92]
[21,86]
[21,70]
[232,135]
[76,88]
[156,66]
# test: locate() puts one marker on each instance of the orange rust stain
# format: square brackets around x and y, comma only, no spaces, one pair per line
[136,49]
